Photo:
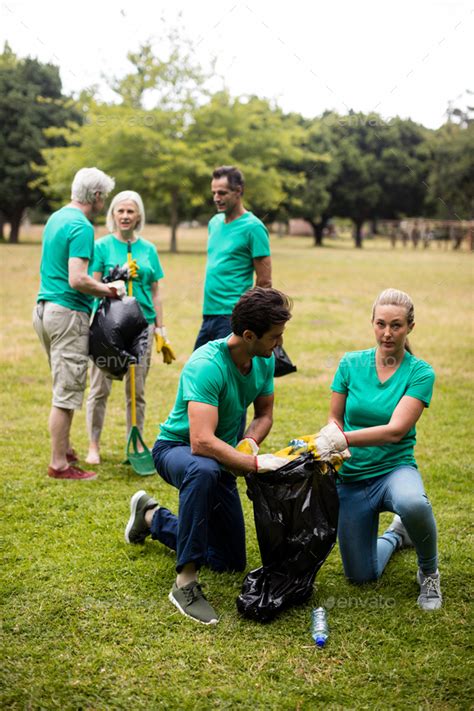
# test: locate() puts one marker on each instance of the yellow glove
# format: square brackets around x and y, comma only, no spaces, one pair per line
[248,445]
[163,346]
[132,268]
[314,445]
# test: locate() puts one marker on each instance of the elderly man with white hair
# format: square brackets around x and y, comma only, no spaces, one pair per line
[64,303]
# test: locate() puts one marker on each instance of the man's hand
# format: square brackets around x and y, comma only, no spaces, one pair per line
[248,445]
[117,289]
[270,462]
[131,268]
[163,346]
[330,440]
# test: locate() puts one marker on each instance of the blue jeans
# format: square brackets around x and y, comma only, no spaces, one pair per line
[212,328]
[210,527]
[364,554]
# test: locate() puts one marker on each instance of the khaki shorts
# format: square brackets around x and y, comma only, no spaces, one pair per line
[64,334]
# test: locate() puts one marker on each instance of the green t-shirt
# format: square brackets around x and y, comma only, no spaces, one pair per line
[211,376]
[371,403]
[68,233]
[110,251]
[231,249]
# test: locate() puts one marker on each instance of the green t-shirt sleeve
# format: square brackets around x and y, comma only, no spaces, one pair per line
[421,383]
[156,267]
[268,385]
[98,265]
[259,241]
[81,241]
[340,383]
[202,382]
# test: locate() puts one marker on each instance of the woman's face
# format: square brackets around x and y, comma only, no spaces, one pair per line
[126,215]
[391,329]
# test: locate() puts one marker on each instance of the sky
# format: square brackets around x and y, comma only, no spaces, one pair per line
[408,58]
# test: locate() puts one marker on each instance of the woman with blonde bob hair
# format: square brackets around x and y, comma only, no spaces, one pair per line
[126,216]
[378,395]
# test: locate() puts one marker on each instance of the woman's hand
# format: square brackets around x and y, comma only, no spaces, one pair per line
[330,440]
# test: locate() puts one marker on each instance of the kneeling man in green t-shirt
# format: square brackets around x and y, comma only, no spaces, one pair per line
[195,450]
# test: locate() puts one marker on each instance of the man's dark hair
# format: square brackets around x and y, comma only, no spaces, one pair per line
[234,176]
[259,309]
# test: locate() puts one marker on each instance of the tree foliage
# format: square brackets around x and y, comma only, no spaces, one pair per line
[167,132]
[451,181]
[30,101]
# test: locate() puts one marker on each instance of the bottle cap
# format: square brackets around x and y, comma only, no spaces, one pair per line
[320,641]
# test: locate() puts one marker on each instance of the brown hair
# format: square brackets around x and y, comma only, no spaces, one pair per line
[395,297]
[259,309]
[234,176]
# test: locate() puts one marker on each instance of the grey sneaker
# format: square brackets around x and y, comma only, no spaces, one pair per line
[137,529]
[191,601]
[397,527]
[430,597]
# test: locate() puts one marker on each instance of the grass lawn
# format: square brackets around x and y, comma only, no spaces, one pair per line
[86,619]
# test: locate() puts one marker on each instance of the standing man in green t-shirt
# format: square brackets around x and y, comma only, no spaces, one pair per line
[238,245]
[196,449]
[64,304]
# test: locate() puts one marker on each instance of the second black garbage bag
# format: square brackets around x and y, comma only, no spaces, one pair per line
[295,510]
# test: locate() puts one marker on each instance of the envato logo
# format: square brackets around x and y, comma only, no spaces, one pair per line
[355,120]
[138,119]
[362,360]
[369,603]
[120,362]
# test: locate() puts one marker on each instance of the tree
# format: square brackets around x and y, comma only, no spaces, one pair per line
[382,168]
[140,149]
[317,166]
[451,180]
[254,135]
[30,101]
[146,149]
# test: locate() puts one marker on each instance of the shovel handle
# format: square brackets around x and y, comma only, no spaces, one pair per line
[133,396]
[129,259]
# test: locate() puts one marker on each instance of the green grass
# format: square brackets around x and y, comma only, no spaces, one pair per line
[86,620]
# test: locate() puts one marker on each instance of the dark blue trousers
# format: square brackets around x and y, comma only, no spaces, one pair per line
[212,328]
[209,529]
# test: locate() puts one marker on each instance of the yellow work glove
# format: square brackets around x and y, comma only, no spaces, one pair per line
[132,268]
[163,346]
[248,445]
[326,445]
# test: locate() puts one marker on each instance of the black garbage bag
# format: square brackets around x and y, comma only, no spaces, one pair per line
[295,510]
[283,364]
[118,336]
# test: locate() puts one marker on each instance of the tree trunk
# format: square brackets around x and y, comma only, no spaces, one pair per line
[15,222]
[318,228]
[358,233]
[174,221]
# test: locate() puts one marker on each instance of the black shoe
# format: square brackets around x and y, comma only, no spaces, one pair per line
[137,529]
[191,601]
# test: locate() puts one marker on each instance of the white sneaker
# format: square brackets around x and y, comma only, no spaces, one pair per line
[430,597]
[397,527]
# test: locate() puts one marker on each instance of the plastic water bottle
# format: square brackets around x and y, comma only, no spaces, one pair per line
[319,626]
[299,446]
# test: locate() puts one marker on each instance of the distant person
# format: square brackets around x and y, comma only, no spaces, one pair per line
[64,304]
[415,234]
[195,451]
[126,216]
[378,396]
[238,245]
